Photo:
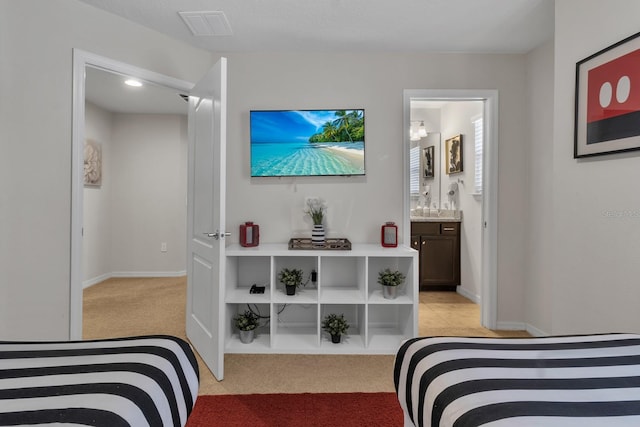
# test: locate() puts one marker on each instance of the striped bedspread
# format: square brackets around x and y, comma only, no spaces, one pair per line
[584,381]
[139,381]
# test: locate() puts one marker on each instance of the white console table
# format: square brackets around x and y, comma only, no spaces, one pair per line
[346,284]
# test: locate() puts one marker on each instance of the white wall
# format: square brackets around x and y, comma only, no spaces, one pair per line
[142,200]
[97,227]
[35,169]
[148,204]
[456,119]
[596,245]
[540,187]
[36,42]
[375,82]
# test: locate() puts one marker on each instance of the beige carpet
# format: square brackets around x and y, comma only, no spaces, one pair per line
[141,306]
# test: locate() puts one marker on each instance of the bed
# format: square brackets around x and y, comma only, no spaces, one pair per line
[137,381]
[584,381]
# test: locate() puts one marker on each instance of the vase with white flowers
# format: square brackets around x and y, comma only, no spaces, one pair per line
[316,208]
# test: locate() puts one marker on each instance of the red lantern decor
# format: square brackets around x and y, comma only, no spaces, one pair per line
[249,234]
[389,235]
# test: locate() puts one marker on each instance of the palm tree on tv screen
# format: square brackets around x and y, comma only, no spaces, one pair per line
[346,127]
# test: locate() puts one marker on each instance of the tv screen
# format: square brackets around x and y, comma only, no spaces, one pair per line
[307,142]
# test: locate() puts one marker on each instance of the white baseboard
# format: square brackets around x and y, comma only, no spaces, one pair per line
[511,326]
[90,282]
[468,295]
[101,278]
[536,332]
[521,326]
[149,273]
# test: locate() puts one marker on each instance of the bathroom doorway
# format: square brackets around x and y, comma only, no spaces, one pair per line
[447,115]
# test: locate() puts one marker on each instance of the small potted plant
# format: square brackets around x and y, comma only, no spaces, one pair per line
[316,209]
[291,278]
[336,326]
[246,324]
[390,280]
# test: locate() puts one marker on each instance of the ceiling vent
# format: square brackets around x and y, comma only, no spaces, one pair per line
[213,23]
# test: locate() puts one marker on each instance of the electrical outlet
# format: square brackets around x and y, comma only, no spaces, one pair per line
[163,247]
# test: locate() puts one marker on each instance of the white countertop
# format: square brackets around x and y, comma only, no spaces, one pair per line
[434,219]
[441,216]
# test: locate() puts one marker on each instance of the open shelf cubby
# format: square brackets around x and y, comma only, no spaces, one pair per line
[345,283]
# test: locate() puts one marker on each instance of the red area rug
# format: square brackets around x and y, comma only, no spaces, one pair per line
[307,409]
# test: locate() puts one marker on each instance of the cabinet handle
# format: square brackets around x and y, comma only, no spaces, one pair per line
[424,242]
[448,229]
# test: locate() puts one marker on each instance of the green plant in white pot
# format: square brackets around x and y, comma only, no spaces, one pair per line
[291,278]
[246,323]
[336,326]
[390,280]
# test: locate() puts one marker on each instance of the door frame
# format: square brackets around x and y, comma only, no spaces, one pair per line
[81,60]
[489,276]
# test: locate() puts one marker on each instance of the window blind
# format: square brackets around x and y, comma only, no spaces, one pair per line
[478,138]
[414,170]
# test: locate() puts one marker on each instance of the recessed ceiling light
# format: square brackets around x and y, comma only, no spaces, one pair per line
[133,82]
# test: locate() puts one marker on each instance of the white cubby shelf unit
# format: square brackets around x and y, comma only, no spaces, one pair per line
[346,284]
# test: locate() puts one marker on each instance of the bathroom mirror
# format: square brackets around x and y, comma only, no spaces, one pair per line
[425,170]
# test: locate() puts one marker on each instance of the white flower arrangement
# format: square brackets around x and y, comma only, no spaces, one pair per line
[316,208]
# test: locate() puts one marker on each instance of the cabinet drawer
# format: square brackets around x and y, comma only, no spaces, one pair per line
[449,227]
[432,228]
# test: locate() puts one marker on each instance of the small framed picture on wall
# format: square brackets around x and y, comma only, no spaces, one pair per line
[453,153]
[429,170]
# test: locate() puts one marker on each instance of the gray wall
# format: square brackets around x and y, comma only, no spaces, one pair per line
[540,185]
[456,119]
[142,201]
[596,202]
[357,207]
[97,225]
[592,266]
[35,133]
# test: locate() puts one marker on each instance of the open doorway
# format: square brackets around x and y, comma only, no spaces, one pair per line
[423,109]
[101,70]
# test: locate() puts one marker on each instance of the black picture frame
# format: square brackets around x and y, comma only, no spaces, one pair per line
[429,162]
[453,155]
[607,105]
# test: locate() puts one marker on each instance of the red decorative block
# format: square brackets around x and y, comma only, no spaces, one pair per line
[389,235]
[249,234]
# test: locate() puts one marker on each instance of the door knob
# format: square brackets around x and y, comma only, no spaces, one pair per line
[218,235]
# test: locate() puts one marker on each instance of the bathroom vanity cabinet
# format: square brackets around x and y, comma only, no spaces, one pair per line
[438,244]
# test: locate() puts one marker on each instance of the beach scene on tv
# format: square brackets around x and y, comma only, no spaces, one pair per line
[307,142]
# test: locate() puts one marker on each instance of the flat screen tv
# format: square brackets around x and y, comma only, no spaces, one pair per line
[307,142]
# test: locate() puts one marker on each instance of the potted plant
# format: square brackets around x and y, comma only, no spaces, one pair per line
[390,280]
[246,324]
[291,278]
[315,209]
[336,326]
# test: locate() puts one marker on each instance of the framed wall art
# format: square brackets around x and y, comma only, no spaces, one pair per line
[92,163]
[607,104]
[429,157]
[453,154]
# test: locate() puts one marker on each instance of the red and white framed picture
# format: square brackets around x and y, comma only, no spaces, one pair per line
[608,100]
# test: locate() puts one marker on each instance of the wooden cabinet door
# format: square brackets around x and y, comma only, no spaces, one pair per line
[415,242]
[439,261]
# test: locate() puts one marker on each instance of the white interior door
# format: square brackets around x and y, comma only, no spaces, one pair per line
[206,217]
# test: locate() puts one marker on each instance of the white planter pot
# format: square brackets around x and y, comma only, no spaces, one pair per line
[317,234]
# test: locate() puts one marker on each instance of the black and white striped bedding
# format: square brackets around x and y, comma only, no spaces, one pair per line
[557,381]
[138,381]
